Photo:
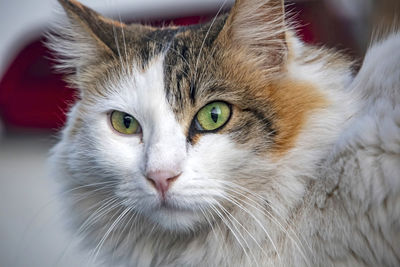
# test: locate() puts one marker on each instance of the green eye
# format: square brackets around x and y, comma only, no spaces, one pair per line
[124,123]
[213,116]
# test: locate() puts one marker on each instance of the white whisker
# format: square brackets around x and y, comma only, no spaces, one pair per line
[257,221]
[240,233]
[218,213]
[296,241]
[97,249]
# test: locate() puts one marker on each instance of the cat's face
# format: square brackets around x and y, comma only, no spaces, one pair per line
[177,124]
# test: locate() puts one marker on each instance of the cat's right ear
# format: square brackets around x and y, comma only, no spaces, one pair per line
[85,37]
[258,27]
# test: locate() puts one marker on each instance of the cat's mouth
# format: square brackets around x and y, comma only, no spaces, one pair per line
[174,217]
[168,205]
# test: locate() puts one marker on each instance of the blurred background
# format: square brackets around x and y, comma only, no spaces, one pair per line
[33,101]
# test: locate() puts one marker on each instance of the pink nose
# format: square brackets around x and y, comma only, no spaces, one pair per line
[161,180]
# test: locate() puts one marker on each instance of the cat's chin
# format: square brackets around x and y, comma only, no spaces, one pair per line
[176,220]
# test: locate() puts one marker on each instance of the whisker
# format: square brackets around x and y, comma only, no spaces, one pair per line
[111,228]
[257,243]
[272,208]
[256,220]
[241,235]
[274,220]
[125,224]
[78,232]
[264,211]
[133,225]
[230,229]
[110,204]
[208,222]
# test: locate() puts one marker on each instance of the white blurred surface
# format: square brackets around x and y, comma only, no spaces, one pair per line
[32,233]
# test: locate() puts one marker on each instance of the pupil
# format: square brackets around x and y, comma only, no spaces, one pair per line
[127,121]
[214,114]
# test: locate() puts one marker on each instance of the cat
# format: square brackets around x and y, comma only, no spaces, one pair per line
[230,143]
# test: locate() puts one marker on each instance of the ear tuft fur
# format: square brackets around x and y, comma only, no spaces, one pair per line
[81,37]
[258,26]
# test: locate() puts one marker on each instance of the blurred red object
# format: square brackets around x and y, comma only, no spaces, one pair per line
[31,94]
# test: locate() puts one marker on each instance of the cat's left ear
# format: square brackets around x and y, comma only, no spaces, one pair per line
[87,37]
[258,26]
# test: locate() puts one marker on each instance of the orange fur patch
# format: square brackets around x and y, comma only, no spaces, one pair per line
[293,102]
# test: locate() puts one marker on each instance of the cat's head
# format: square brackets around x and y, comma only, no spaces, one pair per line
[178,124]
